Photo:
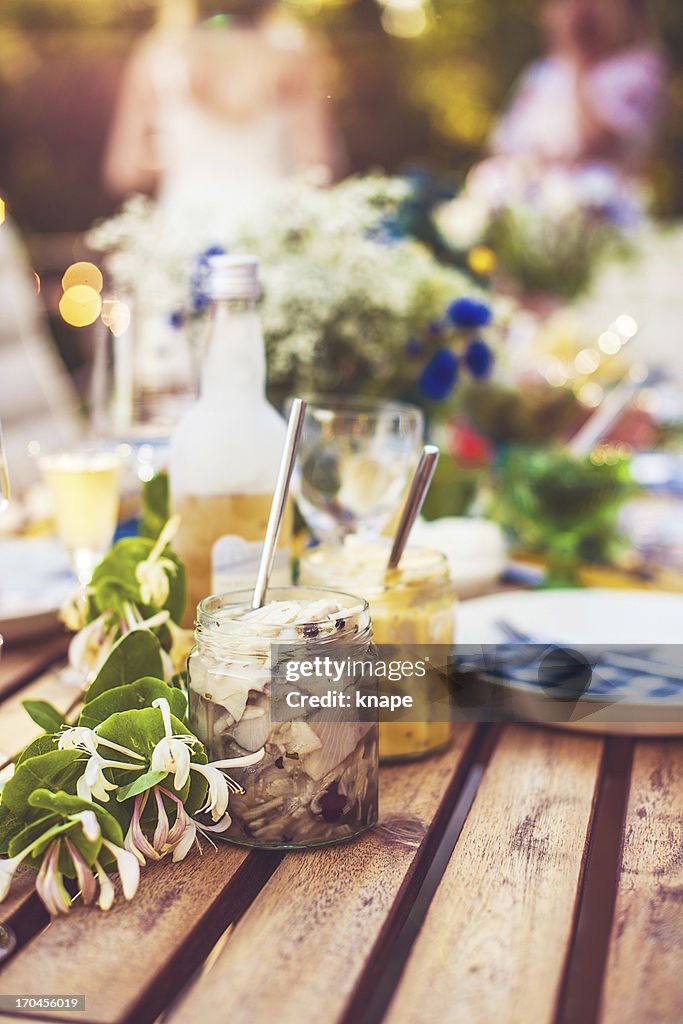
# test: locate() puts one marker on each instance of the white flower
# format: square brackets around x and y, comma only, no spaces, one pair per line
[91,646]
[153,574]
[107,893]
[89,824]
[173,752]
[128,868]
[74,611]
[8,868]
[153,580]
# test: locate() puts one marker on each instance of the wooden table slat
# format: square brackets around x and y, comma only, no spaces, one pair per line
[494,942]
[643,980]
[133,959]
[324,912]
[19,665]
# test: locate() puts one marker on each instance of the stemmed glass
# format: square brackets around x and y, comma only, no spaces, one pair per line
[355,459]
[85,489]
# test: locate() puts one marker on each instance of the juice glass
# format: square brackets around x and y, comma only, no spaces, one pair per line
[413,605]
[318,780]
[85,490]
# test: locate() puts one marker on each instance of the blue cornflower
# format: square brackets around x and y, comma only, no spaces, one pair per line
[440,375]
[176,319]
[469,313]
[479,359]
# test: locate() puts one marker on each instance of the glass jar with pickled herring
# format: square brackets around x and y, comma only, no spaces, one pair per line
[317,782]
[412,605]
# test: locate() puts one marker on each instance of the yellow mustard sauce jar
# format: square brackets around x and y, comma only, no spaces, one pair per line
[412,605]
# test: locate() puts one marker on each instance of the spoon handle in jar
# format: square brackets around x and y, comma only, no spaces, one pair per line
[277,508]
[414,502]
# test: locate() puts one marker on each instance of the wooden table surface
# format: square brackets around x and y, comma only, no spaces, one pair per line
[526,876]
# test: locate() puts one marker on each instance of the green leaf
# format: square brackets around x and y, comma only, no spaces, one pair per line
[114,580]
[44,714]
[140,731]
[139,694]
[156,505]
[58,769]
[135,656]
[10,825]
[142,783]
[41,745]
[66,805]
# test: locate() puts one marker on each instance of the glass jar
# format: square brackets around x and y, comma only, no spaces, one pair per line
[412,605]
[318,780]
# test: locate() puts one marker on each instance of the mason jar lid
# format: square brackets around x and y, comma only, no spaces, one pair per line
[233,276]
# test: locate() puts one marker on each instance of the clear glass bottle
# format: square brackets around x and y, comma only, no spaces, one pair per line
[318,780]
[412,605]
[225,451]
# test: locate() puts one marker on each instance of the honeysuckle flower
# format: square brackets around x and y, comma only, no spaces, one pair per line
[127,866]
[173,753]
[8,868]
[153,580]
[136,842]
[181,645]
[153,573]
[50,882]
[91,646]
[78,737]
[89,824]
[107,892]
[74,611]
[93,783]
[163,827]
[84,876]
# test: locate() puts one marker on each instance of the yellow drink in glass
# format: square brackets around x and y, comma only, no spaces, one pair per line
[411,605]
[85,491]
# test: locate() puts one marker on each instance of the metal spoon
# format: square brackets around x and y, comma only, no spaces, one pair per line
[277,509]
[414,502]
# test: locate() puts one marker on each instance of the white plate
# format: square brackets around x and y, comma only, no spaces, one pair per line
[35,579]
[583,617]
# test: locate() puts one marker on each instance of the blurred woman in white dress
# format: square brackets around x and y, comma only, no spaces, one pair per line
[217,115]
[599,93]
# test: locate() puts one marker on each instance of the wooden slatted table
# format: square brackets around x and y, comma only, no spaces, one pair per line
[526,876]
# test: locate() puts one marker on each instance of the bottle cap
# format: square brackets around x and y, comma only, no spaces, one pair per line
[233,277]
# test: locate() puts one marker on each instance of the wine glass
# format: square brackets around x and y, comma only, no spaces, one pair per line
[354,462]
[85,490]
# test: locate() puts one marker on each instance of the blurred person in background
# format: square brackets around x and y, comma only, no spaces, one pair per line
[38,404]
[599,94]
[218,114]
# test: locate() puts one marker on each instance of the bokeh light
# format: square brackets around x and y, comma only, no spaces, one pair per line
[482,260]
[83,273]
[80,305]
[610,343]
[626,326]
[587,361]
[2,211]
[406,19]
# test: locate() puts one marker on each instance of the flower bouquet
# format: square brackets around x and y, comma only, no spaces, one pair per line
[550,229]
[344,289]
